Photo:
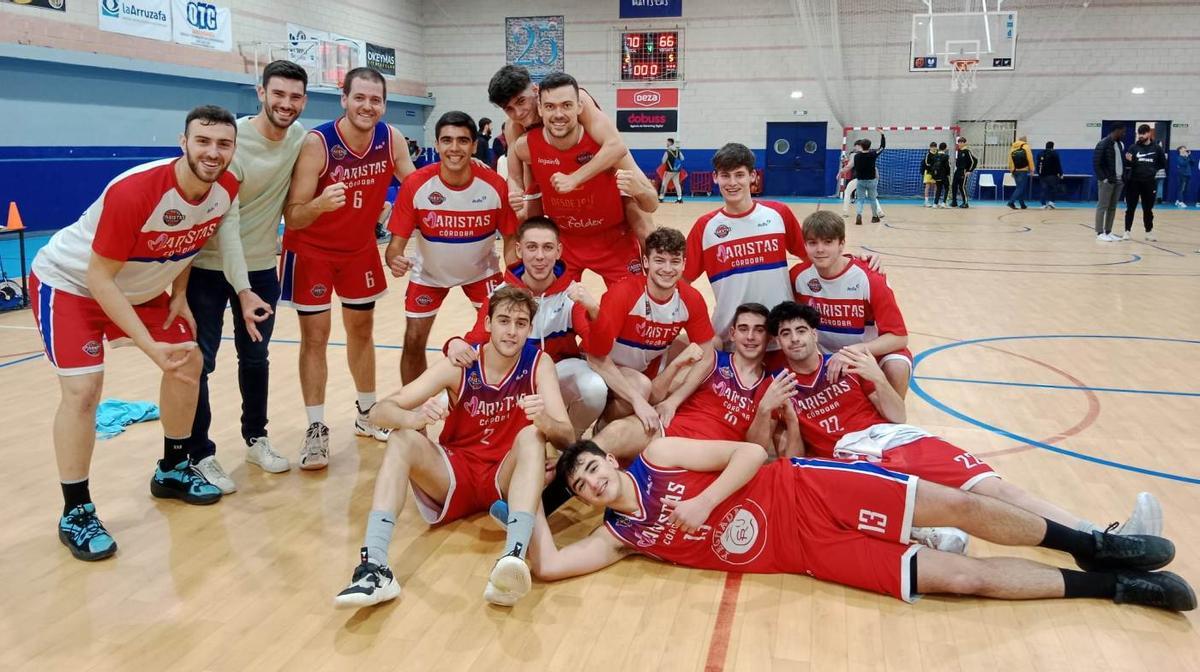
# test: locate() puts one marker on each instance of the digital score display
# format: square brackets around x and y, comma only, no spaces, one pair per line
[650,57]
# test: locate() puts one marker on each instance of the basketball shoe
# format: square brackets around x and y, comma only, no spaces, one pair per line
[948,539]
[261,453]
[1135,551]
[82,532]
[314,452]
[183,482]
[1165,590]
[364,427]
[510,580]
[1146,518]
[214,473]
[371,584]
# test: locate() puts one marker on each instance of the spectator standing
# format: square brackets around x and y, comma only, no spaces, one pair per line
[1144,158]
[1050,173]
[1020,164]
[1183,168]
[1109,167]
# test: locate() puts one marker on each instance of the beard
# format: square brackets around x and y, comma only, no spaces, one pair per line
[275,120]
[202,173]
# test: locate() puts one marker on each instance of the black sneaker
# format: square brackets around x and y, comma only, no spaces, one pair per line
[183,482]
[1135,551]
[370,585]
[1165,590]
[964,205]
[81,531]
[1024,207]
[875,220]
[1012,206]
[858,220]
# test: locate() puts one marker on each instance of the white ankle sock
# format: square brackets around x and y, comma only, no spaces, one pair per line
[315,413]
[365,401]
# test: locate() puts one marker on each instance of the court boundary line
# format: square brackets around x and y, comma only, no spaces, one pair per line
[1135,259]
[1050,386]
[718,644]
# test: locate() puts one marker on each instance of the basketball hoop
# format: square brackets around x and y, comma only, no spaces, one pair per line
[962,74]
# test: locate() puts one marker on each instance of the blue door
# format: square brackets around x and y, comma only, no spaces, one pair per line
[795,158]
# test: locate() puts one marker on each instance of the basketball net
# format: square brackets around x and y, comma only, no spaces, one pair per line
[962,74]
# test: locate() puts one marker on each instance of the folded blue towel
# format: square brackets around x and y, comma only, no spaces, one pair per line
[113,415]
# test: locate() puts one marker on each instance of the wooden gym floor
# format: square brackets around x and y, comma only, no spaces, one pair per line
[1069,365]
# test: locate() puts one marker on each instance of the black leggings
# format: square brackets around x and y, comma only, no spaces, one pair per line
[1147,192]
[943,187]
[959,189]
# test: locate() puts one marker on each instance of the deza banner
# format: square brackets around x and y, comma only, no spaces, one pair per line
[202,24]
[143,18]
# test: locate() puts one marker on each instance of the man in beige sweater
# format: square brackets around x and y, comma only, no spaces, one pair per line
[268,144]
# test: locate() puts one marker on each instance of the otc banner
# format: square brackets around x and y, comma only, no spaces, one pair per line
[301,48]
[60,5]
[382,59]
[650,9]
[635,98]
[143,18]
[648,121]
[202,24]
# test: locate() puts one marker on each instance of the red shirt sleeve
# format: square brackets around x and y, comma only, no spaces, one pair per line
[582,326]
[699,325]
[614,307]
[693,262]
[122,216]
[506,220]
[888,319]
[795,271]
[404,221]
[793,233]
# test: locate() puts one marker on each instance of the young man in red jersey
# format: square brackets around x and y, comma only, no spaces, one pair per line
[859,416]
[339,186]
[590,217]
[640,317]
[457,207]
[721,509]
[504,407]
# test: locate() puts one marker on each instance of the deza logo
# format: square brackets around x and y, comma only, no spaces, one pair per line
[647,98]
[202,15]
[115,9]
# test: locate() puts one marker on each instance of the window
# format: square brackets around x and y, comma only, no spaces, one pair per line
[991,141]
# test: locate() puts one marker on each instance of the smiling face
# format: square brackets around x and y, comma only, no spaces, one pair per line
[523,108]
[208,148]
[825,253]
[364,104]
[595,479]
[559,109]
[663,269]
[282,100]
[455,147]
[539,250]
[735,184]
[749,335]
[509,326]
[798,341]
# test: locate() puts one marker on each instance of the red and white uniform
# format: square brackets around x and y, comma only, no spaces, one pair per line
[457,228]
[479,431]
[843,522]
[140,219]
[744,257]
[856,306]
[636,330]
[591,219]
[723,407]
[838,420]
[337,252]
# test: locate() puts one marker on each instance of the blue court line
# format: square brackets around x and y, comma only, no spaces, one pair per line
[1043,272]
[1178,254]
[953,228]
[933,401]
[293,341]
[1119,390]
[1133,258]
[27,358]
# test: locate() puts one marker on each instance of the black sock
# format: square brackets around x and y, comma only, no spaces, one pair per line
[1088,584]
[554,496]
[174,452]
[1063,538]
[75,494]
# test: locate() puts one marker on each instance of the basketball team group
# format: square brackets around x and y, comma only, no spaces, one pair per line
[764,433]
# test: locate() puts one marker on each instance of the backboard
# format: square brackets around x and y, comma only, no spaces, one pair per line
[938,38]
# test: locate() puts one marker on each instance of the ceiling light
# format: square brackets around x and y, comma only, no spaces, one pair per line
[1137,90]
[797,94]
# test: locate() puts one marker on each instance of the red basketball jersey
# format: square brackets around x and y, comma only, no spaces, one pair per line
[486,418]
[722,407]
[595,207]
[828,411]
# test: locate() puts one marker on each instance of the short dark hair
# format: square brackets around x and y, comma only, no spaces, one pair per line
[865,144]
[367,73]
[670,141]
[458,119]
[750,307]
[824,225]
[1049,144]
[537,222]
[962,140]
[941,145]
[665,240]
[1144,128]
[507,83]
[733,155]
[1117,130]
[557,80]
[510,295]
[788,311]
[568,461]
[210,115]
[934,144]
[484,121]
[286,70]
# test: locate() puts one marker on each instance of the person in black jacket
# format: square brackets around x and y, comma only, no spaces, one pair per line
[483,145]
[1050,173]
[941,176]
[868,178]
[1145,158]
[964,164]
[927,172]
[1108,166]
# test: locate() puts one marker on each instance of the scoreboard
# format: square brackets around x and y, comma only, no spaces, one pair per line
[650,56]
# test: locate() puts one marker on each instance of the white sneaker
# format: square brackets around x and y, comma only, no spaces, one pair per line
[948,539]
[212,472]
[262,454]
[1123,236]
[1180,204]
[928,205]
[510,581]
[1151,237]
[363,426]
[314,452]
[1103,238]
[1051,205]
[370,585]
[1045,207]
[1145,519]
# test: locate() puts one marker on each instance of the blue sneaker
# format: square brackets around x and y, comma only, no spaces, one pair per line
[81,531]
[499,513]
[183,482]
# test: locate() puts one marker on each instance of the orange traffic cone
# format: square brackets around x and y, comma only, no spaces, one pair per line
[14,217]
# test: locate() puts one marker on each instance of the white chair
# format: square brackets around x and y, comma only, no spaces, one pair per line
[986,181]
[1008,181]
